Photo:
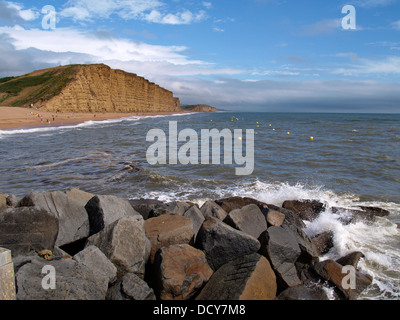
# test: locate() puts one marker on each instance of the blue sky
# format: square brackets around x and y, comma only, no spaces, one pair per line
[260,55]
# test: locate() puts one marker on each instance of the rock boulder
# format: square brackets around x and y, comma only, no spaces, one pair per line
[306,209]
[334,272]
[303,293]
[282,251]
[73,281]
[125,244]
[232,203]
[71,214]
[249,277]
[211,209]
[130,287]
[248,219]
[222,243]
[167,230]
[94,259]
[180,270]
[27,229]
[104,210]
[194,214]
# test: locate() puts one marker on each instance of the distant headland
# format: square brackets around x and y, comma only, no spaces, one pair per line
[199,108]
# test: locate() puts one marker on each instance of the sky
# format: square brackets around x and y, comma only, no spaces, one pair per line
[240,55]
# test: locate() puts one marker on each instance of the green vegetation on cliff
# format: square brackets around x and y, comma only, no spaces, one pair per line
[35,86]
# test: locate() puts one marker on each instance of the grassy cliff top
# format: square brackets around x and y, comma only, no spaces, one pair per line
[35,86]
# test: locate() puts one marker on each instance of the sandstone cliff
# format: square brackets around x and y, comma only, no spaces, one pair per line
[199,108]
[88,88]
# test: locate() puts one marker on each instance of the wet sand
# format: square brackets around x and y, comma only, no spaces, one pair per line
[14,117]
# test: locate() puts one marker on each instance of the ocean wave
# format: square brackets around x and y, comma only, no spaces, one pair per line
[89,123]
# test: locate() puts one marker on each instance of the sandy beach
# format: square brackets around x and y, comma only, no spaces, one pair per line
[14,117]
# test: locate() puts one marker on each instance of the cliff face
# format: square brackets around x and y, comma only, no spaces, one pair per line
[86,88]
[199,108]
[98,88]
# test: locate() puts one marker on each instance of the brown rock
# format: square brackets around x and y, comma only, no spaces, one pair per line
[306,209]
[180,271]
[167,230]
[275,218]
[377,212]
[351,259]
[323,242]
[232,203]
[248,277]
[334,272]
[366,214]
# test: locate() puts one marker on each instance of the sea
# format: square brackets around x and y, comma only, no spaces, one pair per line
[342,160]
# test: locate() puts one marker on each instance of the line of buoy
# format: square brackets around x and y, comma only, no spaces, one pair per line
[288,133]
[258,125]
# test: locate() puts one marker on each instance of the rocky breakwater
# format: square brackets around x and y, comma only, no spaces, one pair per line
[100,247]
[98,88]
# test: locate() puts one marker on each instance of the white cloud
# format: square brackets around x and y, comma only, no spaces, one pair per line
[153,11]
[389,65]
[264,95]
[276,73]
[132,56]
[207,5]
[70,40]
[92,9]
[218,29]
[373,3]
[11,11]
[396,25]
[77,14]
[323,27]
[184,17]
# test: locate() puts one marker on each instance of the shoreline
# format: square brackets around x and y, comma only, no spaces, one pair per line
[12,118]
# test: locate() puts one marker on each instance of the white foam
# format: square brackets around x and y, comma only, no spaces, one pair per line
[89,123]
